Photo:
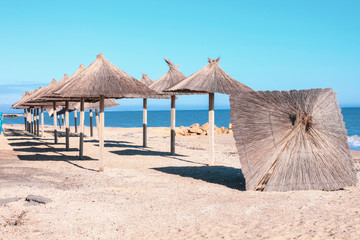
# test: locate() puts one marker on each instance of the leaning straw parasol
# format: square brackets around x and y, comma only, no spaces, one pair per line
[170,78]
[99,81]
[210,79]
[292,140]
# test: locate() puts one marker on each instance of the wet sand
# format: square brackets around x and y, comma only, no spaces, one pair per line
[148,194]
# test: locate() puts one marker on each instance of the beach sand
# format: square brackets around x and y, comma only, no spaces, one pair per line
[148,194]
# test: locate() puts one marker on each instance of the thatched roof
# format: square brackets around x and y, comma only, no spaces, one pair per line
[102,78]
[40,98]
[18,104]
[210,79]
[146,80]
[61,84]
[292,140]
[170,78]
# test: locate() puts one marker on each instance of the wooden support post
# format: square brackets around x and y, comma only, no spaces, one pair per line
[172,133]
[59,121]
[67,128]
[31,121]
[25,118]
[211,129]
[37,122]
[101,135]
[28,120]
[97,121]
[42,122]
[55,122]
[75,118]
[82,118]
[91,122]
[34,121]
[145,122]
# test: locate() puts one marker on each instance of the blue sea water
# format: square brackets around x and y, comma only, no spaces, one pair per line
[188,117]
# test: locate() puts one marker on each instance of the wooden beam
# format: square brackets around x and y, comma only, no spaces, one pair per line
[101,135]
[97,121]
[82,118]
[28,119]
[145,122]
[42,122]
[211,129]
[55,122]
[37,122]
[75,118]
[25,118]
[58,116]
[67,128]
[172,133]
[91,122]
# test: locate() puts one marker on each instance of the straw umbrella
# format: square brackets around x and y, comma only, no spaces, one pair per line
[211,79]
[99,81]
[53,97]
[170,78]
[44,92]
[18,105]
[292,140]
[147,81]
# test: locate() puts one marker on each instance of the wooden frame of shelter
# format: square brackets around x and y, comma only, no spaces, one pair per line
[99,81]
[210,80]
[170,78]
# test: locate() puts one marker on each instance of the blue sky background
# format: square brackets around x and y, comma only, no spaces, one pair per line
[267,45]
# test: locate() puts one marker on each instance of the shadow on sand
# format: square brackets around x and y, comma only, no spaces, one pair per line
[145,152]
[45,157]
[44,150]
[226,176]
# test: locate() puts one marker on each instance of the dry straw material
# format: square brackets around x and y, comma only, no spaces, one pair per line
[170,78]
[146,80]
[292,140]
[18,104]
[102,78]
[210,79]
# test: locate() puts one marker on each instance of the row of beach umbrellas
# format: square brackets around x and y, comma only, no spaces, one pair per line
[97,85]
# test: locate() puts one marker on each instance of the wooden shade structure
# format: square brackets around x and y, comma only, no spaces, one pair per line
[27,102]
[39,99]
[147,81]
[170,78]
[210,79]
[95,106]
[99,81]
[53,97]
[292,140]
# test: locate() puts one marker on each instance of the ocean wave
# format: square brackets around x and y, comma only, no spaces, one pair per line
[354,140]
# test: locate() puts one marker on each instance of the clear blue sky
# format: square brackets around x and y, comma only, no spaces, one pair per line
[267,45]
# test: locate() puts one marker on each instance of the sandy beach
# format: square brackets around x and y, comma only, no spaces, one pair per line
[148,194]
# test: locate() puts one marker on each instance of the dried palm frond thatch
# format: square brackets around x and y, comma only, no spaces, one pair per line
[18,105]
[292,140]
[146,80]
[50,94]
[170,78]
[210,79]
[102,78]
[39,98]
